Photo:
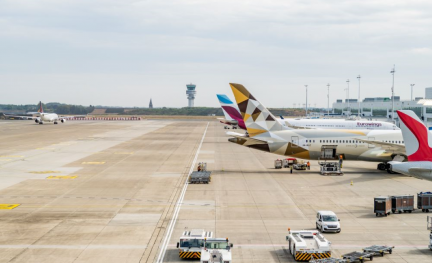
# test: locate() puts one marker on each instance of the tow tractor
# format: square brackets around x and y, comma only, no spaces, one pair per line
[191,243]
[307,244]
[429,227]
[216,250]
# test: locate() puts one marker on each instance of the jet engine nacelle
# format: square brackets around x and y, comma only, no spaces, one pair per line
[63,120]
[37,120]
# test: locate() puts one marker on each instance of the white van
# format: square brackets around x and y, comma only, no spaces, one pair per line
[327,221]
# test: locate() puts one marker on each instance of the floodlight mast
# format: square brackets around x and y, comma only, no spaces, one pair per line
[393,73]
[349,109]
[358,100]
[306,100]
[328,100]
[412,85]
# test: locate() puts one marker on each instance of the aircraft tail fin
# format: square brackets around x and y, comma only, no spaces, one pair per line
[40,107]
[416,137]
[257,117]
[228,107]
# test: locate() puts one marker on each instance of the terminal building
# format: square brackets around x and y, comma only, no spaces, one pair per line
[382,106]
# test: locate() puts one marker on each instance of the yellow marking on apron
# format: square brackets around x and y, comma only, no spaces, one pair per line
[62,177]
[124,153]
[8,206]
[93,162]
[45,172]
[11,156]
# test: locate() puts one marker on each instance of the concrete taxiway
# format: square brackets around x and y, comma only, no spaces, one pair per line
[115,192]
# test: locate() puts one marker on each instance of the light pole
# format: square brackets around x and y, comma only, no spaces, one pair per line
[328,100]
[412,85]
[349,109]
[393,73]
[358,77]
[306,100]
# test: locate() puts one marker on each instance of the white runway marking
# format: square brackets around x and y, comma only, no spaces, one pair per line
[178,205]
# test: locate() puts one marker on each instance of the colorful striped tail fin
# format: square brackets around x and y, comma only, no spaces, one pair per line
[416,136]
[258,119]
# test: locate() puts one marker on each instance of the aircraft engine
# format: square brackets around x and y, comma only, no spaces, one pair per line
[63,120]
[36,120]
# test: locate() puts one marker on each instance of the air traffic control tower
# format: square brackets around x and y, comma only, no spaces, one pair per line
[190,92]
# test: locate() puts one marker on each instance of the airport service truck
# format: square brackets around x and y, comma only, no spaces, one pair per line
[192,242]
[305,245]
[216,250]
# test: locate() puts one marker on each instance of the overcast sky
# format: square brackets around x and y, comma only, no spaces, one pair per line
[121,52]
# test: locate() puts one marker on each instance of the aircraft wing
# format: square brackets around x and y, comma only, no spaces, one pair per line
[249,140]
[385,145]
[230,122]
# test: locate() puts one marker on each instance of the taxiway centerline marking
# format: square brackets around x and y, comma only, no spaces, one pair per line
[179,203]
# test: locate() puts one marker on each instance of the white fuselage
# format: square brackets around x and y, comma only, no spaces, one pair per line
[421,170]
[340,124]
[307,143]
[49,117]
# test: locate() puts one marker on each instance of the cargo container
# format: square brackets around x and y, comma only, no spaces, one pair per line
[424,201]
[382,205]
[402,203]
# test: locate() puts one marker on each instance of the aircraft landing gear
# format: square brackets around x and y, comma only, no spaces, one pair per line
[382,166]
[55,122]
[41,122]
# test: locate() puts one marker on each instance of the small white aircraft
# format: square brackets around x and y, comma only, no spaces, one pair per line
[48,117]
[418,144]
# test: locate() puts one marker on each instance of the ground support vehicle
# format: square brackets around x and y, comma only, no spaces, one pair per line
[358,256]
[216,250]
[330,168]
[200,177]
[429,227]
[329,260]
[424,201]
[327,221]
[300,166]
[288,162]
[378,250]
[382,205]
[192,242]
[305,244]
[402,203]
[278,164]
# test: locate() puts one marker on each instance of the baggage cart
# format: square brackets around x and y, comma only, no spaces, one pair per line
[378,250]
[402,203]
[424,201]
[203,177]
[278,164]
[382,205]
[358,256]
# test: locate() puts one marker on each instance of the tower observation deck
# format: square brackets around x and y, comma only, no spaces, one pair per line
[190,92]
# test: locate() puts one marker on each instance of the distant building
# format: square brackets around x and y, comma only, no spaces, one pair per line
[190,92]
[151,104]
[380,106]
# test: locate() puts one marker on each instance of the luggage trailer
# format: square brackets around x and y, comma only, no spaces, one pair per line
[305,245]
[191,243]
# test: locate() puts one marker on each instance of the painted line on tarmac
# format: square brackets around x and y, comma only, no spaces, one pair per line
[75,246]
[179,203]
